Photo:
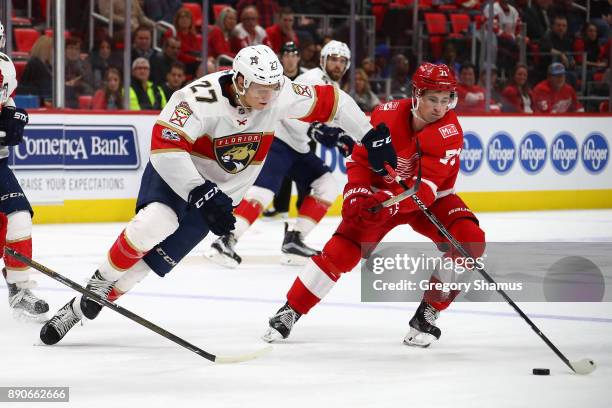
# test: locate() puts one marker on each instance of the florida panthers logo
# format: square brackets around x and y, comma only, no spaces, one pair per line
[234,153]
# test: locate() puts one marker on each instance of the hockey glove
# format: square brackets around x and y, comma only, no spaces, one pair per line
[326,135]
[380,150]
[345,145]
[215,206]
[12,122]
[357,204]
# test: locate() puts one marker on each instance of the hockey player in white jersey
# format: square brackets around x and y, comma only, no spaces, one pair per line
[290,156]
[208,146]
[15,210]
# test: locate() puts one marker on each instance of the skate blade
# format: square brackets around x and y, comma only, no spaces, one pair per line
[293,260]
[415,338]
[24,316]
[271,335]
[220,259]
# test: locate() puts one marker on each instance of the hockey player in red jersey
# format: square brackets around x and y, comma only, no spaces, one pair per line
[429,118]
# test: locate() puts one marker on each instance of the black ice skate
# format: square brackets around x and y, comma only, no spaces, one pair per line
[423,330]
[223,253]
[26,305]
[294,250]
[281,324]
[101,287]
[64,320]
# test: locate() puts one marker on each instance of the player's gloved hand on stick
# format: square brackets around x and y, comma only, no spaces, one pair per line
[357,204]
[215,206]
[380,150]
[326,135]
[12,122]
[345,145]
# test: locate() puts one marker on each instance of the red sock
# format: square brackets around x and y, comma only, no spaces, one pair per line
[123,255]
[24,247]
[313,208]
[249,210]
[299,297]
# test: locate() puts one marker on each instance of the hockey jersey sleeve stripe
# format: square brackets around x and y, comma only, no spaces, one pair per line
[324,106]
[164,138]
[174,128]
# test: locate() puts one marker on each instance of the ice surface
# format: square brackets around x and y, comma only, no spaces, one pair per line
[343,354]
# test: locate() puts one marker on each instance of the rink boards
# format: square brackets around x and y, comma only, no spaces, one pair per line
[78,167]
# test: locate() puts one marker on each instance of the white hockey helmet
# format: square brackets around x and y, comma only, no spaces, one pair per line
[2,36]
[259,64]
[337,48]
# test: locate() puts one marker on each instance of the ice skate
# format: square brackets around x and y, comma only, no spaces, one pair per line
[423,330]
[101,287]
[25,305]
[281,324]
[64,320]
[222,251]
[294,250]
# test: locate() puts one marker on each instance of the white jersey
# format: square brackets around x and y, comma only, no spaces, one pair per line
[199,135]
[293,131]
[8,83]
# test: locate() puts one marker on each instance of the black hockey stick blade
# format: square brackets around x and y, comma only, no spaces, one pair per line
[133,316]
[583,367]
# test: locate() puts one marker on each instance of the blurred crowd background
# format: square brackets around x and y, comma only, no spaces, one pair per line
[550,56]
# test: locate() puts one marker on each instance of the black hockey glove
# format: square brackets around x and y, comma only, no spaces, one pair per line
[215,206]
[12,122]
[345,145]
[326,135]
[380,150]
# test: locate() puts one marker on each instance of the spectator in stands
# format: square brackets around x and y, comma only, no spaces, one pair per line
[574,20]
[211,67]
[310,53]
[101,58]
[507,28]
[588,43]
[143,44]
[110,97]
[282,32]
[473,5]
[163,10]
[191,45]
[517,95]
[496,96]
[267,8]
[471,96]
[537,18]
[220,35]
[369,67]
[401,85]
[161,63]
[290,59]
[248,32]
[558,43]
[37,76]
[554,95]
[365,98]
[382,54]
[79,77]
[144,95]
[138,17]
[175,79]
[449,58]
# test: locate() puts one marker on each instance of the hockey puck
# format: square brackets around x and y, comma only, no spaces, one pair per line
[541,371]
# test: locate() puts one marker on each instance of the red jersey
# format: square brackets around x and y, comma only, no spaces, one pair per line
[440,144]
[547,100]
[471,99]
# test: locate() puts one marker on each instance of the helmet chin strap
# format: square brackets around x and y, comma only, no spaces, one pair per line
[239,94]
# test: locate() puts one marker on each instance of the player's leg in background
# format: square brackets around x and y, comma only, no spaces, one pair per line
[456,216]
[282,199]
[15,205]
[258,197]
[321,272]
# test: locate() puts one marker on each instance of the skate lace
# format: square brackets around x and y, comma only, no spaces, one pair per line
[23,295]
[288,317]
[430,314]
[229,242]
[99,285]
[64,320]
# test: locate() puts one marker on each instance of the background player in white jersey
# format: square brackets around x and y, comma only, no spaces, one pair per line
[15,210]
[291,156]
[207,148]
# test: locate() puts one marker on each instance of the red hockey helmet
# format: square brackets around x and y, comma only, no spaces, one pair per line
[434,77]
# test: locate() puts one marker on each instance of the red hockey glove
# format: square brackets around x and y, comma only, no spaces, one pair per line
[358,201]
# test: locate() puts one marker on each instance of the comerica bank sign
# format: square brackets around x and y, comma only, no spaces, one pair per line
[76,147]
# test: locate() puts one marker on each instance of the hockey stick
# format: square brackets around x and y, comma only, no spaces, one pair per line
[133,316]
[584,366]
